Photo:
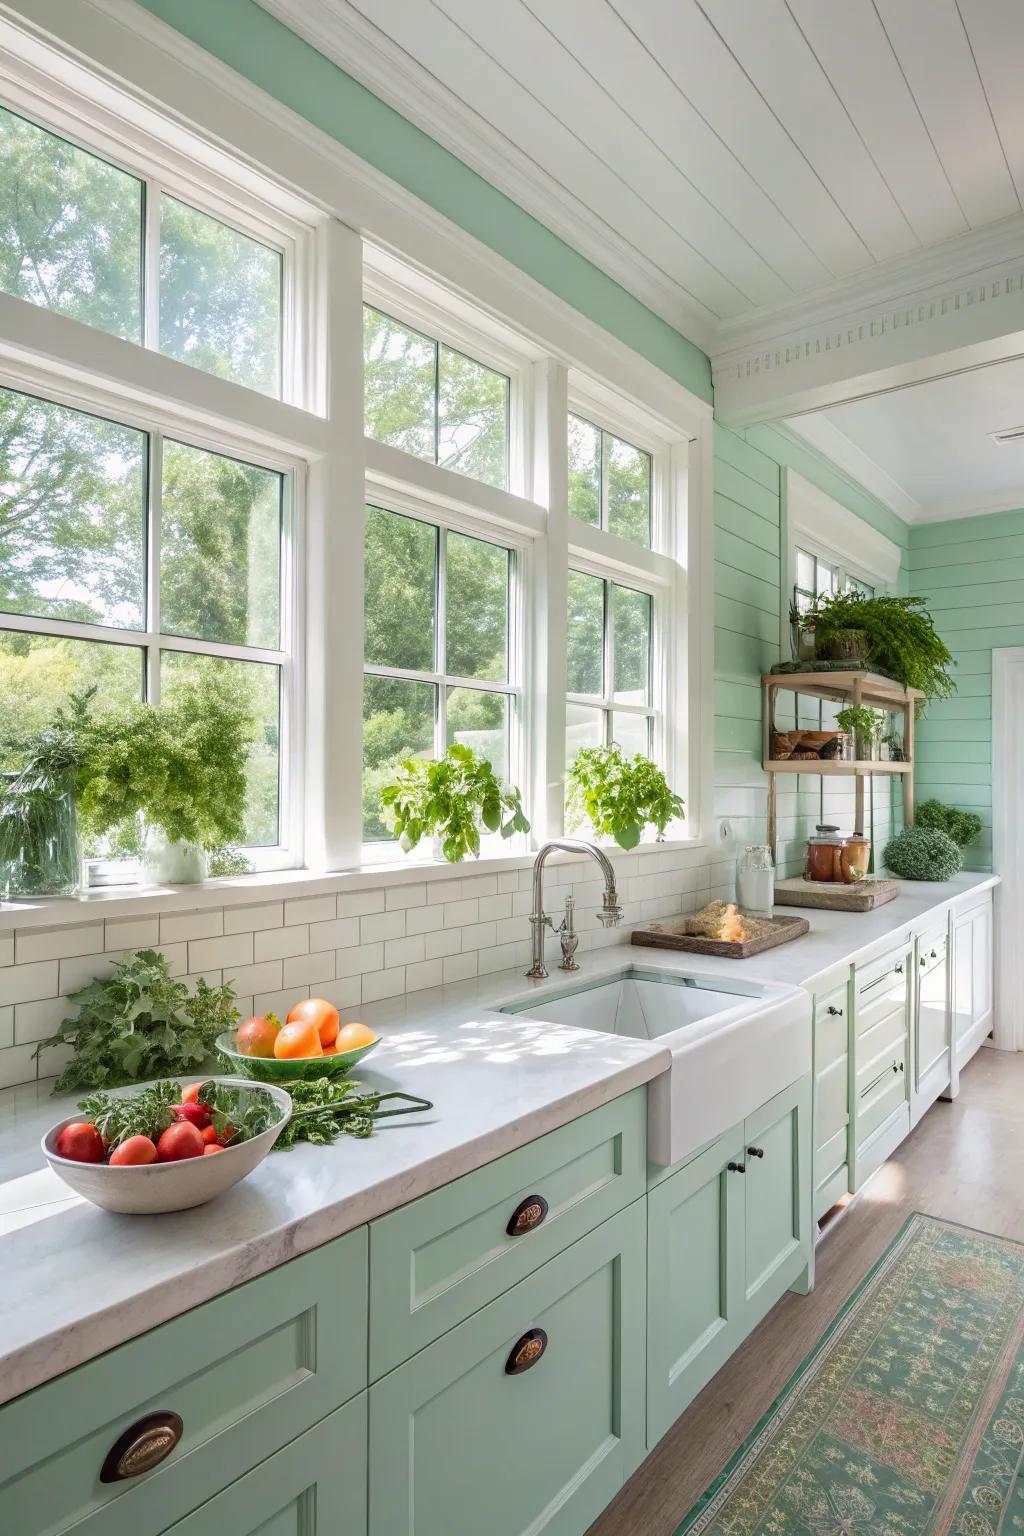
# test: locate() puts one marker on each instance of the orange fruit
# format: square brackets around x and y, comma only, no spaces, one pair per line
[351,1037]
[256,1036]
[331,1050]
[296,1040]
[318,1011]
[212,1147]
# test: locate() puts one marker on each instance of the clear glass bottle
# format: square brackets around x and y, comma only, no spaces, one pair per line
[39,848]
[755,881]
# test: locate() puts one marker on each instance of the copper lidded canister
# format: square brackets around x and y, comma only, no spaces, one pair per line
[855,858]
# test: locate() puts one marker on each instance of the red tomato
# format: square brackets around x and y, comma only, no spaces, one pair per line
[209,1135]
[133,1153]
[213,1147]
[196,1114]
[81,1142]
[190,1095]
[178,1141]
[319,1012]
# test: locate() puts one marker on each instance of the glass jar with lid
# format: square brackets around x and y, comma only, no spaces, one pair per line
[755,881]
[824,854]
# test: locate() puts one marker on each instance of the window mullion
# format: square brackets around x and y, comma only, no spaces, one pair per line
[151,267]
[154,499]
[441,644]
[604,482]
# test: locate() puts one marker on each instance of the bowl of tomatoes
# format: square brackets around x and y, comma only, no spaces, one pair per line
[166,1146]
[310,1042]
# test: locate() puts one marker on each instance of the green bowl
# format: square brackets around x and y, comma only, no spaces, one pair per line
[268,1069]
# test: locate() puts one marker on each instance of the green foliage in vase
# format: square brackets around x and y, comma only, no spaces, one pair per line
[451,798]
[862,722]
[619,795]
[40,859]
[962,826]
[922,853]
[225,863]
[181,765]
[140,1023]
[902,640]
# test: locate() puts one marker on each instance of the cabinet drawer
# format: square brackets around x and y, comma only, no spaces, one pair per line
[316,1486]
[439,1260]
[460,1444]
[880,988]
[884,1041]
[880,1096]
[931,950]
[830,1157]
[830,1028]
[831,1110]
[245,1373]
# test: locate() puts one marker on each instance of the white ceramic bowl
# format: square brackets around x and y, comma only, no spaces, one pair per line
[155,1187]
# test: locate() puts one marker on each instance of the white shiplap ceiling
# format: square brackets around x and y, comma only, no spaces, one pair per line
[720,158]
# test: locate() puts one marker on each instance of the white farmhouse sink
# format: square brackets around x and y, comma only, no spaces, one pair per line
[733,1044]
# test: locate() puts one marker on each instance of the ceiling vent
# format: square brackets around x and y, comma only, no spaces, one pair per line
[1008,435]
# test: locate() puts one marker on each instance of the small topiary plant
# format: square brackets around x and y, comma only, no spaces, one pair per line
[962,826]
[922,853]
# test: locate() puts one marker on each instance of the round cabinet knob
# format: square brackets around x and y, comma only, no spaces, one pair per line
[144,1446]
[836,1013]
[755,1151]
[527,1216]
[526,1352]
[737,1167]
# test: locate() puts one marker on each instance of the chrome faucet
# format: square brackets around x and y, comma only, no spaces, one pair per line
[609,915]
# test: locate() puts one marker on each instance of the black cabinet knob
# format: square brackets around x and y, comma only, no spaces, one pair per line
[737,1167]
[836,1013]
[755,1151]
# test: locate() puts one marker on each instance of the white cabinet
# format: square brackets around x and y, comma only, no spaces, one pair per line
[932,1063]
[881,1052]
[971,979]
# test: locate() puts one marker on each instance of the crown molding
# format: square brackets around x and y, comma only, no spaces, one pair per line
[343,35]
[950,509]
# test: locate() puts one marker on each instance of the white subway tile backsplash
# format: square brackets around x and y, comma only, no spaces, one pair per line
[233,949]
[380,984]
[310,909]
[479,936]
[6,949]
[384,925]
[360,903]
[264,977]
[269,914]
[423,920]
[6,1026]
[492,907]
[34,1021]
[26,983]
[307,970]
[440,892]
[500,957]
[190,925]
[279,943]
[358,960]
[338,934]
[80,970]
[480,885]
[508,883]
[57,943]
[132,933]
[459,967]
[447,942]
[404,951]
[427,973]
[18,1065]
[398,897]
[456,913]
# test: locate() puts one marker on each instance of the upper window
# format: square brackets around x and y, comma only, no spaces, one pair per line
[608,666]
[817,577]
[135,562]
[437,650]
[74,236]
[431,400]
[609,482]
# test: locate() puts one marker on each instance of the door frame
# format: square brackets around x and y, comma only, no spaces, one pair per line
[1007,842]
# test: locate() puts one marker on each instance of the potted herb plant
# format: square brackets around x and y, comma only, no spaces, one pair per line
[451,798]
[895,635]
[864,727]
[40,854]
[619,795]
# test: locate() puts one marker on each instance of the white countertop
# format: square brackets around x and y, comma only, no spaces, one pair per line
[78,1281]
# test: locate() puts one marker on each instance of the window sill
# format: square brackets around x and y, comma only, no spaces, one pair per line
[279,885]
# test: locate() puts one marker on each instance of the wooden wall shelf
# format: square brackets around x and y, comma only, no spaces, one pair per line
[868,689]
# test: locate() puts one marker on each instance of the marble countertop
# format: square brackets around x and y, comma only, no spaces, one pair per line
[78,1280]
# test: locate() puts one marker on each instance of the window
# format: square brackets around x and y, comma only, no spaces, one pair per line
[432,401]
[608,666]
[609,482]
[817,577]
[74,236]
[133,562]
[438,646]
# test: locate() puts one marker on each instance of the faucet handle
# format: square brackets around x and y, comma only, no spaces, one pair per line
[610,914]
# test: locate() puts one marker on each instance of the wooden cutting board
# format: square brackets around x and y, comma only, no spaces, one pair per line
[827,895]
[676,933]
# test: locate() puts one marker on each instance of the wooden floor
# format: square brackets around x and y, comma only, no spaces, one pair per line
[965,1161]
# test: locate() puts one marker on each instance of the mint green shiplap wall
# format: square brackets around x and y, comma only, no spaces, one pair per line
[243,35]
[749,582]
[971,571]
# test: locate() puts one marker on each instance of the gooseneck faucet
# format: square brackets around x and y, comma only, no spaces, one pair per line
[609,915]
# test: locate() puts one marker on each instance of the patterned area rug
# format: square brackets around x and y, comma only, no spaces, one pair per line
[908,1417]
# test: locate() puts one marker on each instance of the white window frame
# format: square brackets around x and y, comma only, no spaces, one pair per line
[821,526]
[202,121]
[653,710]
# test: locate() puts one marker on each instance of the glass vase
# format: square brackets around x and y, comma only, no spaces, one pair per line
[40,854]
[172,863]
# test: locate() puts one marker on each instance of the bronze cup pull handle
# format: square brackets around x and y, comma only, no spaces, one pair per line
[527,1216]
[526,1352]
[143,1446]
[755,1151]
[736,1167]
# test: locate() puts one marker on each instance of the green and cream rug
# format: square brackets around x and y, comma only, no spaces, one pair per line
[908,1417]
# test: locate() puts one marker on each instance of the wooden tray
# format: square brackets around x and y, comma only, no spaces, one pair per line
[676,933]
[826,895]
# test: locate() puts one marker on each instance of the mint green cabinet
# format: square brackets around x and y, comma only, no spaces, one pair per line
[777,1198]
[727,1235]
[316,1486]
[438,1260]
[695,1278]
[831,1111]
[245,1373]
[459,1445]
